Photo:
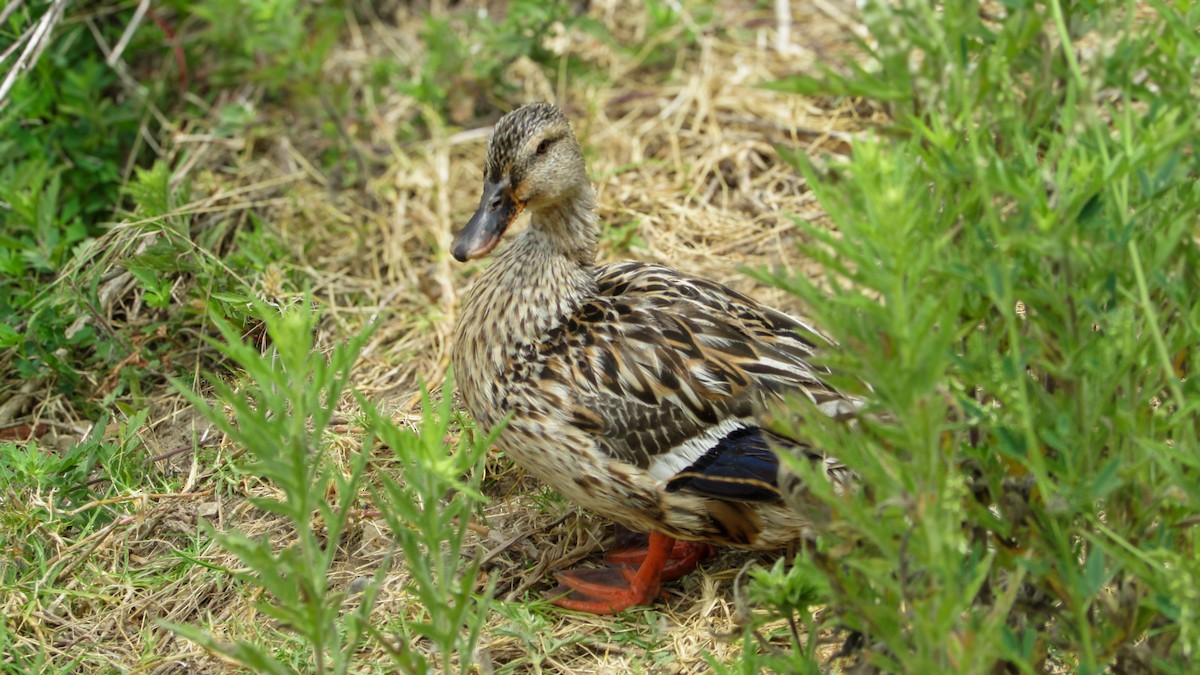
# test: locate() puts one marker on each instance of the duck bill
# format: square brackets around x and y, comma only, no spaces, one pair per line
[497,210]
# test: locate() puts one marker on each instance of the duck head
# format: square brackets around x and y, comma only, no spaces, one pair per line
[533,164]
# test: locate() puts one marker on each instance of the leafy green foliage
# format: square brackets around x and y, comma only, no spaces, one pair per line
[63,141]
[671,25]
[456,75]
[427,511]
[60,330]
[278,43]
[1013,277]
[281,415]
[788,592]
[73,160]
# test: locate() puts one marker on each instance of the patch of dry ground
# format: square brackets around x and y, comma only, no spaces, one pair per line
[686,174]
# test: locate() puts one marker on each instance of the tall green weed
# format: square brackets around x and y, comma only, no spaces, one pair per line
[424,492]
[1013,275]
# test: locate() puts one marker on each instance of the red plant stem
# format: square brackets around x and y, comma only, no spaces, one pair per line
[176,45]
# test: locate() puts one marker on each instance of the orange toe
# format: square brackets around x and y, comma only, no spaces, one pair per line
[616,588]
[607,590]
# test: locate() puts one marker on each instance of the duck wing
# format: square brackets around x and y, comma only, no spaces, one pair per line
[670,371]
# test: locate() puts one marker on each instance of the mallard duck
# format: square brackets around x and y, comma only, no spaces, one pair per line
[632,389]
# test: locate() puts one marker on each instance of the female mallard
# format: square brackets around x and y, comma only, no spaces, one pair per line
[633,388]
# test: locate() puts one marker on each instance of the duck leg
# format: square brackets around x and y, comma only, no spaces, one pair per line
[684,557]
[614,589]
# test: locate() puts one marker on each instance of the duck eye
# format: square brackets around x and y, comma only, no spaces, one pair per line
[544,146]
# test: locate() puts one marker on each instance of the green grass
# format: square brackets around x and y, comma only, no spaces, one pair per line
[60,503]
[79,154]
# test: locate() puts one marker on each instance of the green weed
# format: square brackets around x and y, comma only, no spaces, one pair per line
[623,238]
[281,415]
[1013,277]
[427,510]
[529,624]
[50,499]
[57,486]
[74,159]
[280,44]
[459,74]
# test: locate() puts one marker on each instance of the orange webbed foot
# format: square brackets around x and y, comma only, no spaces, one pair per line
[614,589]
[606,590]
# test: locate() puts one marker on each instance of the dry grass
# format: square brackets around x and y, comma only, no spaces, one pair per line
[686,155]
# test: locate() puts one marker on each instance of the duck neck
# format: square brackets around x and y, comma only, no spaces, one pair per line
[570,226]
[535,282]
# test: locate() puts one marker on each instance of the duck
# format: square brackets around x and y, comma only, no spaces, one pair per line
[634,390]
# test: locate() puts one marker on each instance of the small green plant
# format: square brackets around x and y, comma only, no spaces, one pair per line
[623,238]
[61,329]
[49,500]
[280,415]
[55,486]
[1014,277]
[671,27]
[787,591]
[529,624]
[427,510]
[457,73]
[63,144]
[280,44]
